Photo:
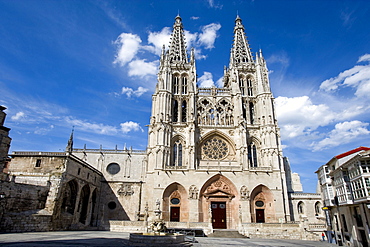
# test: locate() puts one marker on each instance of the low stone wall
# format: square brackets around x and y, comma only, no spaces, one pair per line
[280,231]
[29,221]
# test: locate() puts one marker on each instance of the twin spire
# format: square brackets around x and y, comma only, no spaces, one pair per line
[240,52]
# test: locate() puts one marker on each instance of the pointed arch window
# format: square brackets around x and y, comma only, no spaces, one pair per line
[177,154]
[300,208]
[252,155]
[250,87]
[175,116]
[183,111]
[184,85]
[242,85]
[175,83]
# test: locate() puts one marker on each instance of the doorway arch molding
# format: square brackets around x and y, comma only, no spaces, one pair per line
[262,205]
[219,189]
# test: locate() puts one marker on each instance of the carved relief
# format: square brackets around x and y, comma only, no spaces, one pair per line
[125,190]
[219,188]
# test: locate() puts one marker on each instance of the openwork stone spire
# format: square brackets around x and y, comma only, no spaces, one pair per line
[177,51]
[240,52]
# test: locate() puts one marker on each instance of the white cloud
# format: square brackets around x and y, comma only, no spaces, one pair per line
[194,17]
[158,39]
[357,77]
[206,80]
[92,127]
[130,126]
[142,68]
[214,5]
[299,116]
[129,91]
[208,35]
[343,133]
[127,47]
[220,82]
[18,116]
[364,58]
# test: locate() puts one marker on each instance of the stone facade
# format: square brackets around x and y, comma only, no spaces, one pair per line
[213,161]
[4,142]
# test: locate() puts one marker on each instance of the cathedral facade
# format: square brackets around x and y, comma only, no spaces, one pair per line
[213,157]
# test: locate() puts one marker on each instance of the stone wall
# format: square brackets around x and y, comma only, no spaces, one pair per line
[281,231]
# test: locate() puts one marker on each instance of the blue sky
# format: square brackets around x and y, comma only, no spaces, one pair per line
[92,65]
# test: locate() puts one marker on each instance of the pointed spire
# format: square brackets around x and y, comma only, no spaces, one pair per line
[240,52]
[177,51]
[69,147]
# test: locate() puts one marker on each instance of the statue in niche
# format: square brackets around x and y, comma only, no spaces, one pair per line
[244,193]
[193,192]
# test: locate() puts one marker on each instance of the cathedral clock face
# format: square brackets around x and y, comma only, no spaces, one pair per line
[215,149]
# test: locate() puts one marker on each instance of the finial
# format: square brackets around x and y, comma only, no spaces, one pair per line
[69,147]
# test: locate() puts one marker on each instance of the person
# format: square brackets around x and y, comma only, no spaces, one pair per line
[323,236]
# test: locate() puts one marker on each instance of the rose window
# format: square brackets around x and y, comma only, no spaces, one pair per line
[215,149]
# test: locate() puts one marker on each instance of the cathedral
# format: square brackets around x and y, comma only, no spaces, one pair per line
[213,160]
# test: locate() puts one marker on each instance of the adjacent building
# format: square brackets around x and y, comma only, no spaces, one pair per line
[345,186]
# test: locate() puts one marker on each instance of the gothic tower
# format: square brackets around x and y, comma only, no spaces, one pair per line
[215,151]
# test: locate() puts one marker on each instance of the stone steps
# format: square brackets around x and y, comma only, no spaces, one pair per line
[226,233]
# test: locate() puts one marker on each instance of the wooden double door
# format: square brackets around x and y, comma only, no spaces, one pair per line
[218,215]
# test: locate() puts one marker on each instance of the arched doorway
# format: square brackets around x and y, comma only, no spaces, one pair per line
[219,203]
[262,205]
[175,203]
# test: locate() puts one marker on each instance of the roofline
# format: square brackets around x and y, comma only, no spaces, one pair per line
[361,148]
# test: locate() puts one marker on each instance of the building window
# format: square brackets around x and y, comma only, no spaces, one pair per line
[175,83]
[250,87]
[183,111]
[300,208]
[177,154]
[184,85]
[344,223]
[215,148]
[112,205]
[317,208]
[175,116]
[113,168]
[38,163]
[252,155]
[242,86]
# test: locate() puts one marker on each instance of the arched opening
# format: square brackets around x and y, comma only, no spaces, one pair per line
[251,112]
[175,115]
[252,155]
[183,111]
[93,209]
[175,203]
[84,203]
[262,205]
[250,87]
[175,84]
[317,208]
[70,196]
[300,207]
[219,203]
[184,85]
